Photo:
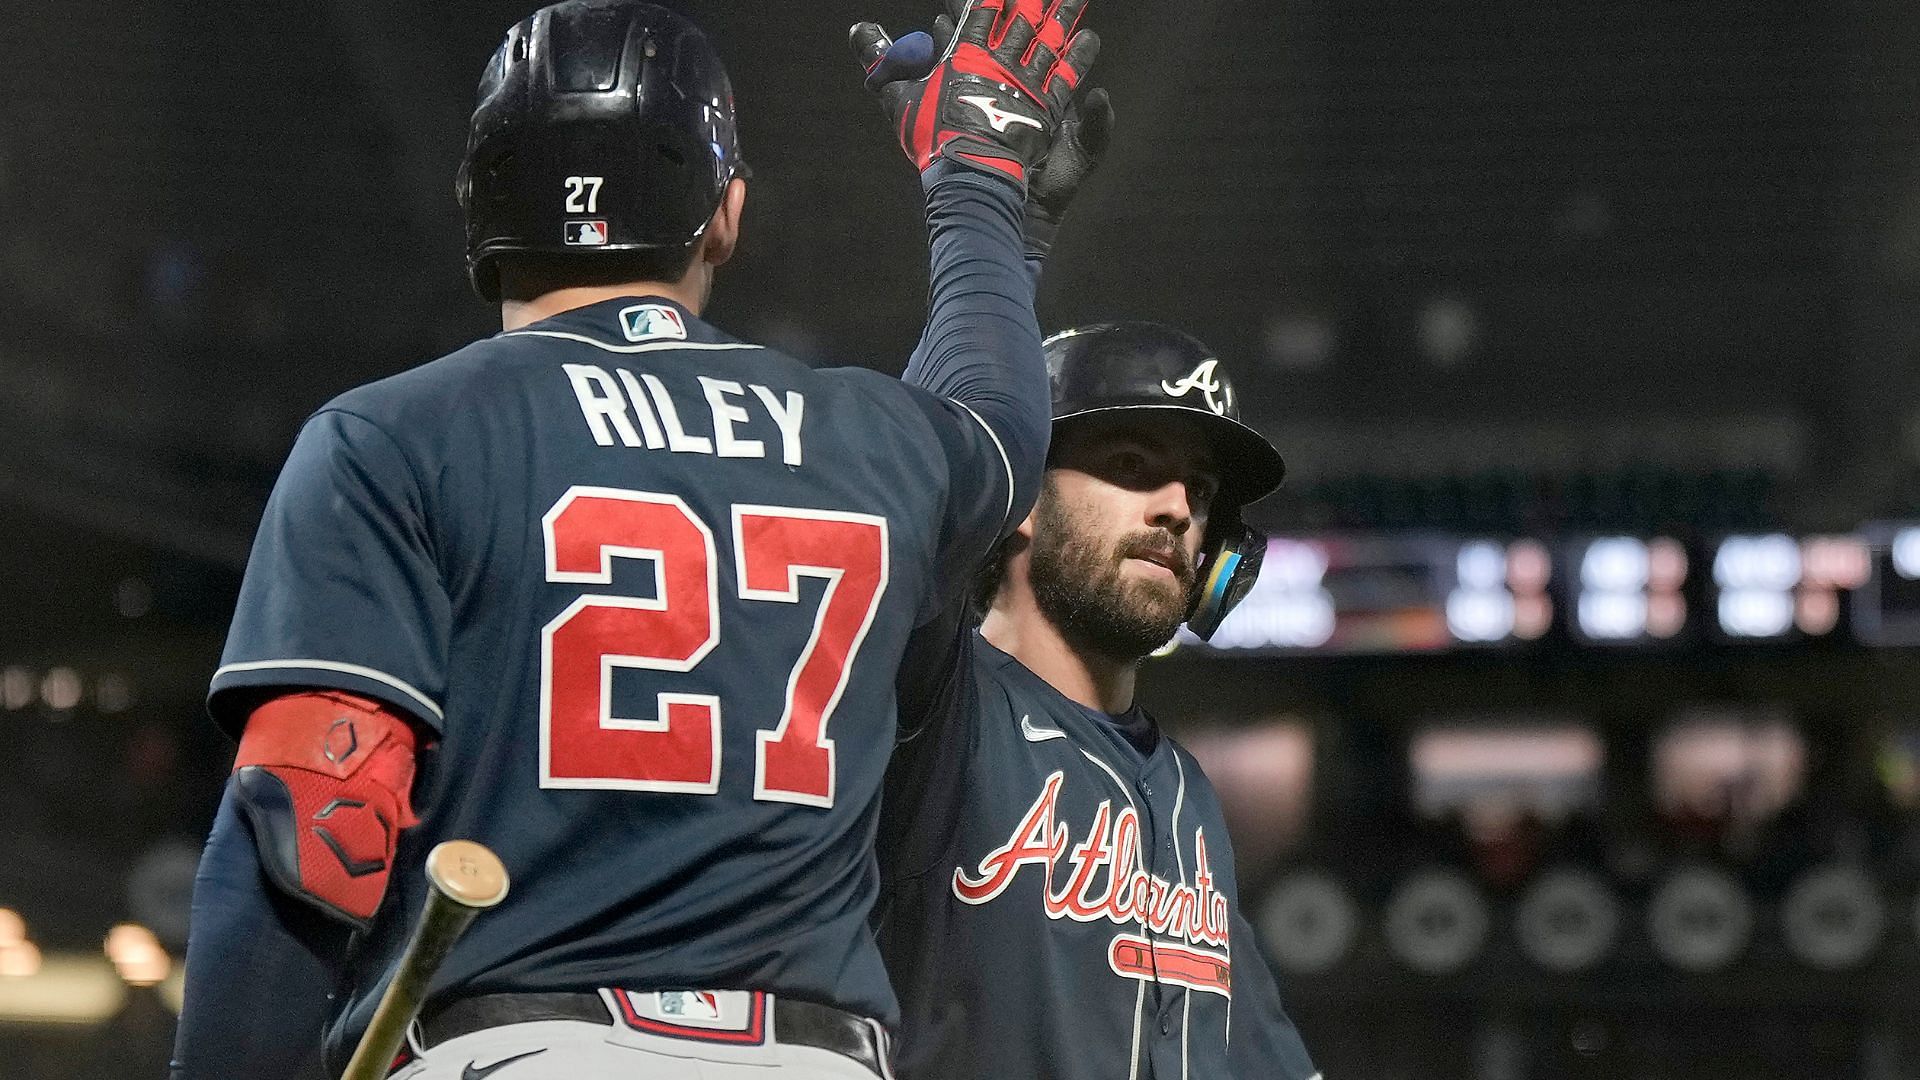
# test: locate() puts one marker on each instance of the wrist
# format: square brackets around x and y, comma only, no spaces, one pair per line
[944,171]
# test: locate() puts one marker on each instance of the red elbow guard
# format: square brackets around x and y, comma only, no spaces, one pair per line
[325,778]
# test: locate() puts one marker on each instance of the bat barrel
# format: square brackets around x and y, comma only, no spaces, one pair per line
[464,879]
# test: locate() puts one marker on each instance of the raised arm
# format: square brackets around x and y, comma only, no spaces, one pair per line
[1077,147]
[977,120]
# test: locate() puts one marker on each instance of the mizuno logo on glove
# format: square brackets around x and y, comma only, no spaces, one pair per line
[997,116]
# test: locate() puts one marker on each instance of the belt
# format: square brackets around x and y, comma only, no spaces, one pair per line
[794,1023]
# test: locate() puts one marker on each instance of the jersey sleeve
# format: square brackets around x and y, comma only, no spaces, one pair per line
[926,778]
[1262,1041]
[341,591]
[979,506]
[980,359]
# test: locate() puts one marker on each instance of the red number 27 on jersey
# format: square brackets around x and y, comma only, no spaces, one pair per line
[583,745]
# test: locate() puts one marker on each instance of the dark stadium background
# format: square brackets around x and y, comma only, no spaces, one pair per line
[1567,285]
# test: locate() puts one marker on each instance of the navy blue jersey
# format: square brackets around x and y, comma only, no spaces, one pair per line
[1059,903]
[650,585]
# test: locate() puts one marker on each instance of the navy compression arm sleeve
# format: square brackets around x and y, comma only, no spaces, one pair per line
[257,987]
[982,343]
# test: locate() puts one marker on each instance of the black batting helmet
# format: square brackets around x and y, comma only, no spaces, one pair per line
[602,126]
[1149,368]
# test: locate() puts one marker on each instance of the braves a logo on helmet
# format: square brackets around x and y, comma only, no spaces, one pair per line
[1179,931]
[997,117]
[1212,386]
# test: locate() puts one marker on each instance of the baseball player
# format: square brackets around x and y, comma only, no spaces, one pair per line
[619,595]
[1059,899]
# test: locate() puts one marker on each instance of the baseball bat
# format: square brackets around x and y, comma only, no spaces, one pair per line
[463,879]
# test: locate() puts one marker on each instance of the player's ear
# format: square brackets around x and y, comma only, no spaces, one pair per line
[723,231]
[1025,530]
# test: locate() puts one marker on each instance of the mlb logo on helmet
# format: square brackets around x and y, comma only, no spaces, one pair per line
[646,322]
[586,233]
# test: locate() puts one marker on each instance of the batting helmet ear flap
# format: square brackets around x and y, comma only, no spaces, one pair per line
[1231,565]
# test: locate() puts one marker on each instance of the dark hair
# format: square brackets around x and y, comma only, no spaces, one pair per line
[993,569]
[527,274]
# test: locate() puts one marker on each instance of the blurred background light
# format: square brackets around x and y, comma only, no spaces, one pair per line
[17,687]
[1906,553]
[1481,565]
[1449,329]
[1567,920]
[1308,921]
[1436,922]
[1299,341]
[1700,919]
[60,689]
[1481,614]
[1833,917]
[64,990]
[1619,564]
[1546,769]
[19,960]
[113,694]
[136,955]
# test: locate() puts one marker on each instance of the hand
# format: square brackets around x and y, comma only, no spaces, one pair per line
[996,97]
[1076,151]
[1077,147]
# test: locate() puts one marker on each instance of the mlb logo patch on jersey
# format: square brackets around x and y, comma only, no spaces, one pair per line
[696,1004]
[647,322]
[586,233]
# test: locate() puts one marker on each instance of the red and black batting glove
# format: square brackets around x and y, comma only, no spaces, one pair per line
[995,97]
[1078,145]
[1077,149]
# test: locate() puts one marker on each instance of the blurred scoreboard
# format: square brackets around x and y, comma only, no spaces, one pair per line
[1430,592]
[1391,593]
[1887,611]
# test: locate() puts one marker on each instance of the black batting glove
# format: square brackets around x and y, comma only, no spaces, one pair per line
[995,98]
[1077,148]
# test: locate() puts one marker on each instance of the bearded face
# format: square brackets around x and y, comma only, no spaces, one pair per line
[1116,539]
[1081,584]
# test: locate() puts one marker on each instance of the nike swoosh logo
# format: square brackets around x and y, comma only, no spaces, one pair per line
[474,1072]
[1038,734]
[998,117]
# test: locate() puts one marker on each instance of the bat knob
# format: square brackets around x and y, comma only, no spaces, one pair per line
[467,873]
